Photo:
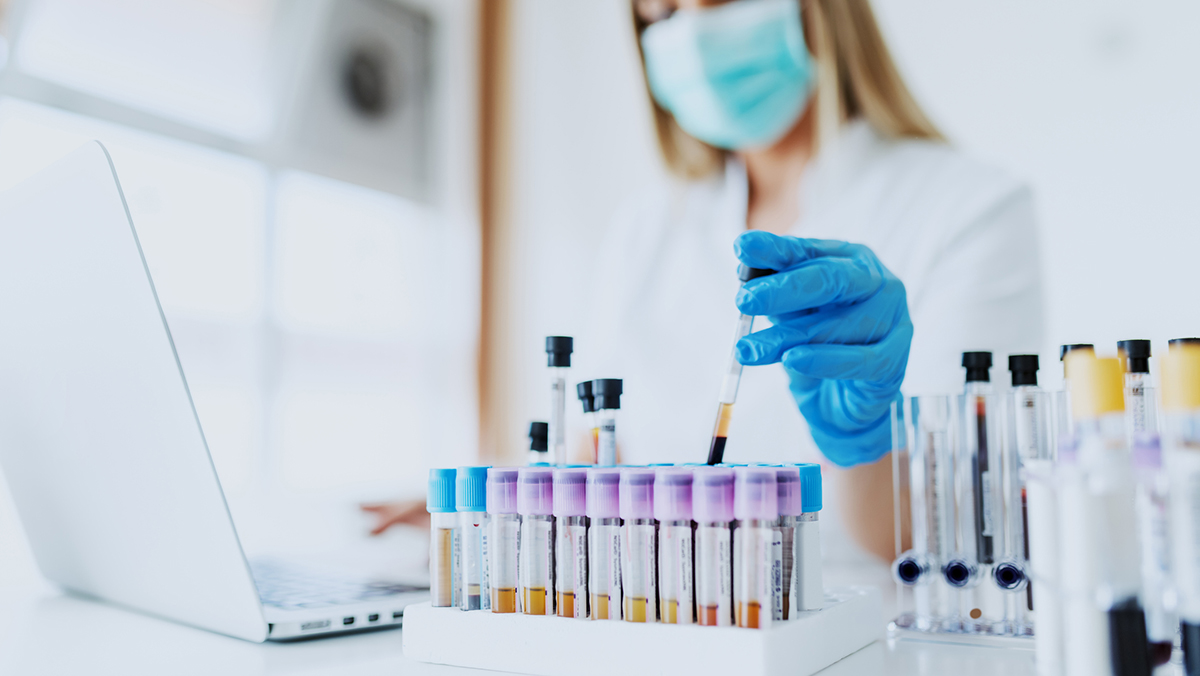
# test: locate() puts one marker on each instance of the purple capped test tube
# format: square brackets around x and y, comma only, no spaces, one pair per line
[503,526]
[638,535]
[570,524]
[712,509]
[535,504]
[604,542]
[757,546]
[673,510]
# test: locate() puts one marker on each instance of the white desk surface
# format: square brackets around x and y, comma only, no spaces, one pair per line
[43,631]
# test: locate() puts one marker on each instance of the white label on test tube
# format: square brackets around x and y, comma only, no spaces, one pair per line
[1044,565]
[606,455]
[675,573]
[753,545]
[637,572]
[777,590]
[810,585]
[558,411]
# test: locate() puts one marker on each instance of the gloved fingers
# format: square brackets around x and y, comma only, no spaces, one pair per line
[861,324]
[759,249]
[812,284]
[884,360]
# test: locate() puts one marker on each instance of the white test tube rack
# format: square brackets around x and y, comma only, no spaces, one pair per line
[552,646]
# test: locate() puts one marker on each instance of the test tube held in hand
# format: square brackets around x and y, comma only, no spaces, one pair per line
[503,532]
[733,375]
[443,517]
[535,565]
[558,359]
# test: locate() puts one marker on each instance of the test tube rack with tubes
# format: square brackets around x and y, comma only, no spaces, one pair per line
[663,568]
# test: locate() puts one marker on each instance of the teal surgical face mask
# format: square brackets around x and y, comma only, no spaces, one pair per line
[736,76]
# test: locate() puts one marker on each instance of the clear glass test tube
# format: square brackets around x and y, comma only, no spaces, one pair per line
[712,509]
[1141,410]
[558,359]
[571,536]
[535,565]
[604,543]
[733,375]
[638,545]
[755,545]
[607,396]
[584,391]
[1028,439]
[932,496]
[676,542]
[443,527]
[539,435]
[504,526]
[471,503]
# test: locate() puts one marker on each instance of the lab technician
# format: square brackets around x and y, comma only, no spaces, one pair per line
[793,144]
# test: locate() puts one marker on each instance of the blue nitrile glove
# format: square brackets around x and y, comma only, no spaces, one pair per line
[842,331]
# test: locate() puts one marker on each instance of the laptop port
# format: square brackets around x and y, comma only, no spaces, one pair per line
[373,617]
[347,621]
[398,614]
[317,624]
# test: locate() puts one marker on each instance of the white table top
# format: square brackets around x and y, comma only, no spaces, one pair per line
[43,631]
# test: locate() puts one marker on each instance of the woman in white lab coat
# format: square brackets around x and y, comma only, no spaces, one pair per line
[781,120]
[788,117]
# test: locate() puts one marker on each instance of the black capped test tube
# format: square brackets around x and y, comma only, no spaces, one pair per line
[558,359]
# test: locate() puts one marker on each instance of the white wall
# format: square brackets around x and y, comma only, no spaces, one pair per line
[1095,103]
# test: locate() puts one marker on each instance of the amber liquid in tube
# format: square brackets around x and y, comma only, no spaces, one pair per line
[720,433]
[504,600]
[444,584]
[600,607]
[566,604]
[708,615]
[747,615]
[635,609]
[535,601]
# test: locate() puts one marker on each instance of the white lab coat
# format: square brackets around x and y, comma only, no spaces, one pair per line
[961,235]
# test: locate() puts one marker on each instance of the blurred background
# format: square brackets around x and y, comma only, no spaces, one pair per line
[364,216]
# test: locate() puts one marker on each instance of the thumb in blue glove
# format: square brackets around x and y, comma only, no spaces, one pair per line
[841,330]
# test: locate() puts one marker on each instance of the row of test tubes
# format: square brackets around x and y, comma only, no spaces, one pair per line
[1077,511]
[677,544]
[960,500]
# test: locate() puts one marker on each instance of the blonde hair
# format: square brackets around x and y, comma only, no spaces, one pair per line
[856,77]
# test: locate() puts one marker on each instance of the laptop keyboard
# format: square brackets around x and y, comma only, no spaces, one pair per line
[293,587]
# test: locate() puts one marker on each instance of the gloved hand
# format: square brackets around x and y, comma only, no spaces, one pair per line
[842,331]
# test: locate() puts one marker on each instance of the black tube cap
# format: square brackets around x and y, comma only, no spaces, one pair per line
[1184,341]
[746,274]
[1129,649]
[977,364]
[1024,368]
[584,391]
[1137,355]
[558,350]
[539,435]
[607,393]
[1066,349]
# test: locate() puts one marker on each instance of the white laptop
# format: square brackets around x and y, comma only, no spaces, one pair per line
[101,445]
